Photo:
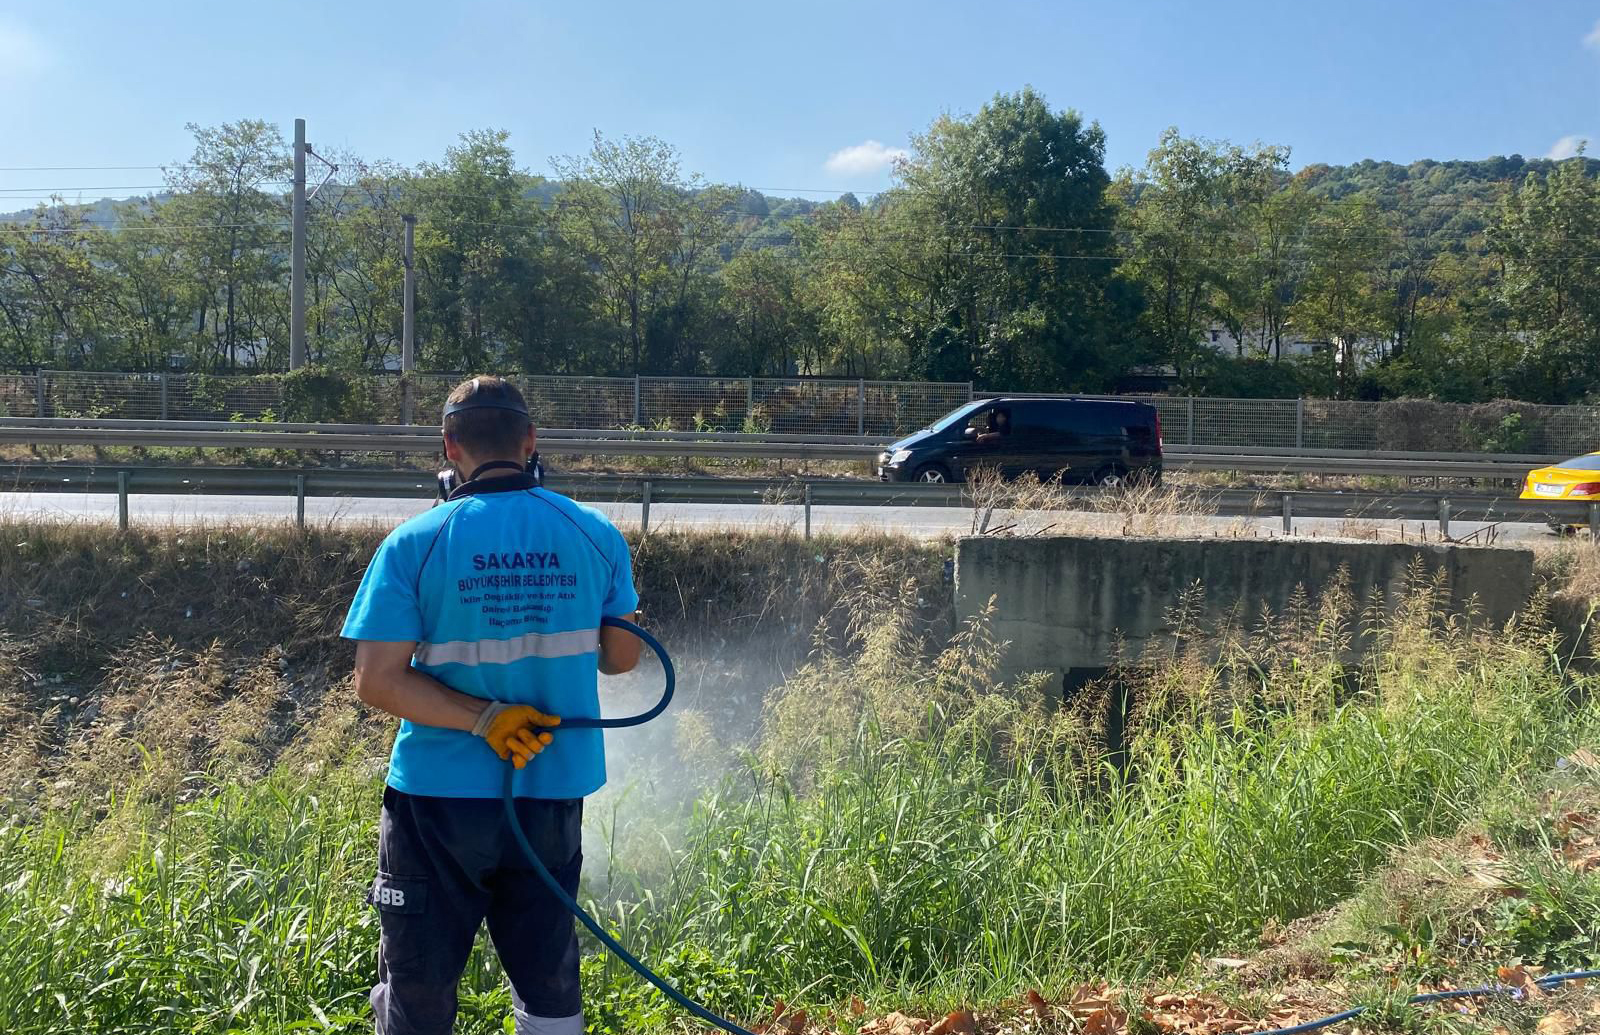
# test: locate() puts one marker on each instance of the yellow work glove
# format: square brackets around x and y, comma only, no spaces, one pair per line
[513,730]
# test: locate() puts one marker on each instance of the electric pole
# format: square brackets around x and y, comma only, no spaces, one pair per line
[297,253]
[408,316]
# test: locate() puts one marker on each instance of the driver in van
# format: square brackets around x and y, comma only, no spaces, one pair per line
[999,426]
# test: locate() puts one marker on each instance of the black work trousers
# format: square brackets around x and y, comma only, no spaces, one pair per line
[448,865]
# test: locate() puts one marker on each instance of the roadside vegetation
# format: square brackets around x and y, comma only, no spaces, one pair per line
[886,840]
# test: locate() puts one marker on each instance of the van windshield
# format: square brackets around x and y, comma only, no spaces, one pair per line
[958,416]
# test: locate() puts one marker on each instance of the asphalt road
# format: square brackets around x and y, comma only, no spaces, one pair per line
[923,522]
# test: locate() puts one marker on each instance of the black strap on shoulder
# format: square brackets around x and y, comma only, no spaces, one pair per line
[495,465]
[474,486]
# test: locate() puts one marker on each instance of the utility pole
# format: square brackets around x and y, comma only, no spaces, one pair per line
[297,253]
[408,343]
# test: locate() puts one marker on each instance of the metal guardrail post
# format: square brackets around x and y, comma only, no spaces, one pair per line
[1444,518]
[808,510]
[122,501]
[300,501]
[861,407]
[644,509]
[39,396]
[1189,408]
[1288,513]
[1300,423]
[1594,521]
[164,409]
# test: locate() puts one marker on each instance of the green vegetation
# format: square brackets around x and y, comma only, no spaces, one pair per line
[901,827]
[1005,254]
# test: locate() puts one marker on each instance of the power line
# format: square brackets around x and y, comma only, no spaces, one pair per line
[158,227]
[77,168]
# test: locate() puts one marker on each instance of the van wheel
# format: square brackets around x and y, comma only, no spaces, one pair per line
[1111,478]
[932,473]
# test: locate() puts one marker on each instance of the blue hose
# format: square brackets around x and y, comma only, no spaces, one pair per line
[549,879]
[726,1025]
[1546,983]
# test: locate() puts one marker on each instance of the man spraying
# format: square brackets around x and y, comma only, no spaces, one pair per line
[478,625]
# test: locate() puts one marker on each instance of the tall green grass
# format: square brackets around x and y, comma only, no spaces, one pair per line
[907,831]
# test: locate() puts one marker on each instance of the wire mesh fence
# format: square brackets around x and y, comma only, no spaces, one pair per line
[798,406]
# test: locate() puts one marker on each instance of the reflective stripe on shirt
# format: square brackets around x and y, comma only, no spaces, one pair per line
[504,652]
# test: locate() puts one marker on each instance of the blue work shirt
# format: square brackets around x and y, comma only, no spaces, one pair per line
[503,594]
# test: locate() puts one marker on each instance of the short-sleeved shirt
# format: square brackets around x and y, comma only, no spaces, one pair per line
[503,593]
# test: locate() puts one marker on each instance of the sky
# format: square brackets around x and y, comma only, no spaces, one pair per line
[810,99]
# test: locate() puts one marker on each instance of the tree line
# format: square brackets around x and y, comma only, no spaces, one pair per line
[1005,254]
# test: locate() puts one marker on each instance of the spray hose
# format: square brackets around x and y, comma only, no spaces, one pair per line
[549,879]
[1545,983]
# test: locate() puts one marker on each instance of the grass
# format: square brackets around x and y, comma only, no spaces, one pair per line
[904,829]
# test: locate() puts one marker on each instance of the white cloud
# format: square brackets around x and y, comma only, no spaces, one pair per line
[869,156]
[1567,146]
[22,54]
[1593,39]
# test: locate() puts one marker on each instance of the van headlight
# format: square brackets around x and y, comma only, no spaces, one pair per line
[899,457]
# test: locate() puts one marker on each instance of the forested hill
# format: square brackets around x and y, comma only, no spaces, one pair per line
[1452,200]
[1005,253]
[1458,196]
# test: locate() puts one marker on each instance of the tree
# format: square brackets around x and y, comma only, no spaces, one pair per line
[1545,237]
[230,228]
[1005,232]
[649,231]
[1341,299]
[1208,241]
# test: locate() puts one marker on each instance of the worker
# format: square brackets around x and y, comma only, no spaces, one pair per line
[478,625]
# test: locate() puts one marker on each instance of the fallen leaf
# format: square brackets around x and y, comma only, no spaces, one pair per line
[961,1022]
[857,1007]
[1558,1022]
[1038,1004]
[897,1023]
[1521,977]
[1105,1021]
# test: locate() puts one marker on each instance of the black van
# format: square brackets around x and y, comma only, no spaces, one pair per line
[1085,441]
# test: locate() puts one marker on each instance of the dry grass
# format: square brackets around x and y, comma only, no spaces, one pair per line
[1027,506]
[171,651]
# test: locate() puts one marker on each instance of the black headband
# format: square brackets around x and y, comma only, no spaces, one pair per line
[472,403]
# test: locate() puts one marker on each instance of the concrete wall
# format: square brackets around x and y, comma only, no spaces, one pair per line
[1072,602]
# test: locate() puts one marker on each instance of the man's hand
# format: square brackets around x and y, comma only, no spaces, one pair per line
[513,730]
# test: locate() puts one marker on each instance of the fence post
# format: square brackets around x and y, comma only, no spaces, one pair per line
[1189,408]
[1300,422]
[1594,521]
[1288,513]
[969,391]
[39,395]
[1444,518]
[636,421]
[300,501]
[122,500]
[164,396]
[644,509]
[861,422]
[808,510]
[749,395]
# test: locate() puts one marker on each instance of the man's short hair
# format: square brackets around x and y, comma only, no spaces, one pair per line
[496,425]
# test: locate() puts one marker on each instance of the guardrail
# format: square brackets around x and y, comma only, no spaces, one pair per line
[364,438]
[794,492]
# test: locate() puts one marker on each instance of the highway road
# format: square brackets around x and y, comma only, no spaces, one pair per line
[923,522]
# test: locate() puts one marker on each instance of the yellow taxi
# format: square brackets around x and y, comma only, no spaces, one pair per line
[1577,479]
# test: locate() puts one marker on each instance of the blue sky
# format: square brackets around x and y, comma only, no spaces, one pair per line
[787,97]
